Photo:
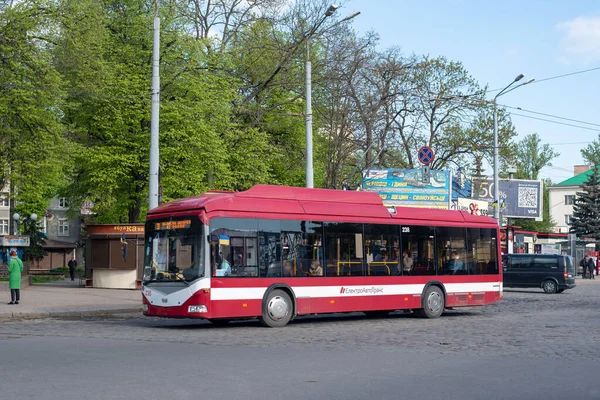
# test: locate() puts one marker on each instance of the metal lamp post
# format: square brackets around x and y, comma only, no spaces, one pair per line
[308,116]
[16,218]
[496,161]
[33,217]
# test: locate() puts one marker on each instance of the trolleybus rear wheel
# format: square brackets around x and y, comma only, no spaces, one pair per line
[278,309]
[433,303]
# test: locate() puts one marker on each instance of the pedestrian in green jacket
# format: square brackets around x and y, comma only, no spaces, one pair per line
[15,267]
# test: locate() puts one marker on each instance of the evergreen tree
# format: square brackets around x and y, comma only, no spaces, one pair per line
[586,210]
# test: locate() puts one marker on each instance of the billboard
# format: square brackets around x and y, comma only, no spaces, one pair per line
[475,207]
[406,187]
[518,198]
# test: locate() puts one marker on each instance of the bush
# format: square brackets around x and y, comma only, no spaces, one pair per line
[44,279]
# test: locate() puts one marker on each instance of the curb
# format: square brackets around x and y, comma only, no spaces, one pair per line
[74,313]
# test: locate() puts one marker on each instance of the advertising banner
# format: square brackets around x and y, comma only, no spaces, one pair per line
[14,241]
[475,207]
[406,187]
[518,198]
[550,249]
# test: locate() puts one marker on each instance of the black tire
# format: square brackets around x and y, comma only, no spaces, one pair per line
[377,314]
[560,290]
[277,310]
[549,286]
[433,303]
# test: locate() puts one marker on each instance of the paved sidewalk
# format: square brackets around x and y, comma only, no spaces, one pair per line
[68,298]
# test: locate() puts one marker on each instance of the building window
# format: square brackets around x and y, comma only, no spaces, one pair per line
[569,199]
[63,227]
[3,199]
[63,202]
[568,218]
[3,226]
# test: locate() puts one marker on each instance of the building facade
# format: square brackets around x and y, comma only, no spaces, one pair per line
[562,197]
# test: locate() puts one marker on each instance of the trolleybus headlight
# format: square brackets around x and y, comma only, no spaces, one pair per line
[197,309]
[145,307]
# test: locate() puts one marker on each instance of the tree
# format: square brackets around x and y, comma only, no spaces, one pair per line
[33,151]
[36,250]
[591,154]
[586,209]
[531,157]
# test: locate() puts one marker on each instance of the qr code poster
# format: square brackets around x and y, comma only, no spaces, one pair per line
[522,199]
[528,197]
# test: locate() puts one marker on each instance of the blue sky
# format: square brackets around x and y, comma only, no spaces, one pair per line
[496,41]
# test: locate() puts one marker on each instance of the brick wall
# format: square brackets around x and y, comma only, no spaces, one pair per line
[578,169]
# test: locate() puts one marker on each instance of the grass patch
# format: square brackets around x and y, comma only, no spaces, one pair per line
[44,279]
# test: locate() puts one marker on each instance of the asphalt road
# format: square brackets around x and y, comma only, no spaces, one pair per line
[529,346]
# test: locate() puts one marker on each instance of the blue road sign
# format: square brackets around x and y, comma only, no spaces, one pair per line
[425,155]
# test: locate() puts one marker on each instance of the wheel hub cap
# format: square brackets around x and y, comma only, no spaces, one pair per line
[277,308]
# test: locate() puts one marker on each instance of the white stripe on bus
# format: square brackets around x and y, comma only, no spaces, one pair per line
[257,293]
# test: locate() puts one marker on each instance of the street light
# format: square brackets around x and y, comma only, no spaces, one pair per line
[17,217]
[496,169]
[308,116]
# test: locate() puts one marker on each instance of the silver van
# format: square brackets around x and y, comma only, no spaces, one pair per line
[552,272]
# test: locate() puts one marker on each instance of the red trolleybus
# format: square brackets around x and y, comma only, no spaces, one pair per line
[276,252]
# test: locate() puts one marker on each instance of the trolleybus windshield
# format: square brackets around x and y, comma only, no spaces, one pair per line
[173,249]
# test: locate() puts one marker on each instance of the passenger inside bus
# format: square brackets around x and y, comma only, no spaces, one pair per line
[315,269]
[455,265]
[382,256]
[288,269]
[223,268]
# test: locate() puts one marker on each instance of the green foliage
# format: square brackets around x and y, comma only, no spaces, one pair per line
[75,102]
[591,154]
[586,210]
[35,251]
[532,157]
[31,140]
[45,279]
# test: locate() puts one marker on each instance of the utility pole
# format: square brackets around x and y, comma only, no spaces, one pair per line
[154,150]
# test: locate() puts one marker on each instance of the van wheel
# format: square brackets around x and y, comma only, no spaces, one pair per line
[549,286]
[433,303]
[278,310]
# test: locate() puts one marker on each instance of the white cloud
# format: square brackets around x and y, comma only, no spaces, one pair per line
[581,40]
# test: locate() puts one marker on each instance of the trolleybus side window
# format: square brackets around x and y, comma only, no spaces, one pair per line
[418,240]
[451,251]
[269,248]
[344,249]
[229,239]
[382,249]
[481,246]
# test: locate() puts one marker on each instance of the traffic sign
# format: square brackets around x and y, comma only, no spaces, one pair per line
[426,155]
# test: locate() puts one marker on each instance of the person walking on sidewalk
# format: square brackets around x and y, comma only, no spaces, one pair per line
[15,267]
[72,267]
[584,266]
[592,267]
